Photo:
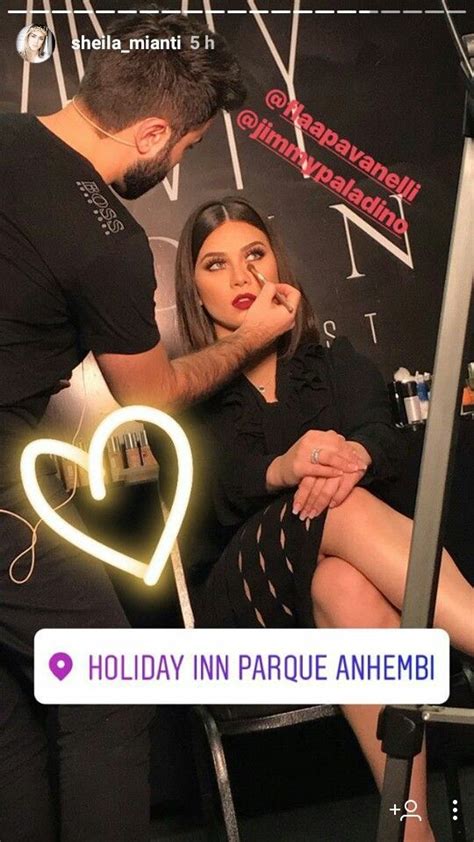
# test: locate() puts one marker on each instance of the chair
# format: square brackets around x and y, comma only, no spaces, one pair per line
[217,721]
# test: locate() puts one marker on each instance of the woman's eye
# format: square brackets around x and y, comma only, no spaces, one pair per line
[255,254]
[214,264]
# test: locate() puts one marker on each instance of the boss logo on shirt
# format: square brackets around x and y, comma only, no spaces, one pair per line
[102,210]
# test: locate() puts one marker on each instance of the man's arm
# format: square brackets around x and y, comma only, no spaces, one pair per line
[151,378]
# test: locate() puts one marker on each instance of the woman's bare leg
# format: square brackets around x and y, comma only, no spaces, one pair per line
[375,539]
[344,598]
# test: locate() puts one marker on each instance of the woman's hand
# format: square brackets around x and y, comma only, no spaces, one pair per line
[316,494]
[334,457]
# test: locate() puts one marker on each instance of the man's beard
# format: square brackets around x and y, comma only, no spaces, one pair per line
[143,176]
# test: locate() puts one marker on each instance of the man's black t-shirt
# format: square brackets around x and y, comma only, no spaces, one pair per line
[76,270]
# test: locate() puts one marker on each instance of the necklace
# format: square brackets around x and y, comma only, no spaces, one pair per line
[267,391]
[261,386]
[266,383]
[98,128]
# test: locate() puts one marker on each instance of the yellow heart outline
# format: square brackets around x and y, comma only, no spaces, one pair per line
[93,463]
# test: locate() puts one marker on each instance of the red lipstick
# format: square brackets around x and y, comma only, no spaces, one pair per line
[244,301]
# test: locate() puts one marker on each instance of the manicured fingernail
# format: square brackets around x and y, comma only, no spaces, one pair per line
[296,509]
[303,516]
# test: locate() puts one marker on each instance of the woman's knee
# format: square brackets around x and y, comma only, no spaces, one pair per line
[358,499]
[333,584]
[360,517]
[344,598]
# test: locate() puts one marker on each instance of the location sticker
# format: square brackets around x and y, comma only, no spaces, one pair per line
[60,665]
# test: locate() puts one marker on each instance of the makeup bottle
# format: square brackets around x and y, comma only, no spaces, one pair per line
[61,469]
[468,391]
[412,402]
[428,380]
[115,459]
[396,400]
[422,391]
[57,465]
[470,375]
[132,451]
[145,452]
[69,473]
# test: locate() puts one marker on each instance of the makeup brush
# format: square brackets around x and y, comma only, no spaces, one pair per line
[263,280]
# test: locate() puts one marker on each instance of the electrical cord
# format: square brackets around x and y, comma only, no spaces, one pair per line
[34,529]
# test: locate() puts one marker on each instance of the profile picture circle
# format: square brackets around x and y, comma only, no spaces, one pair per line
[35,43]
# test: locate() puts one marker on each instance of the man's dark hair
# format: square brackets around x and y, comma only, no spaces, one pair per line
[186,86]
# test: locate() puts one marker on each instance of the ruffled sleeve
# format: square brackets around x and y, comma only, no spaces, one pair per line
[364,408]
[240,457]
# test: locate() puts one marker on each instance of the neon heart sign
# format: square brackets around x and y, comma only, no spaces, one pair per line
[93,463]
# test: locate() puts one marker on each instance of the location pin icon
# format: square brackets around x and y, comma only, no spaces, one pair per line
[60,665]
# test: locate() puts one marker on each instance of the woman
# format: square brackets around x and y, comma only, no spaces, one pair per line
[283,456]
[35,44]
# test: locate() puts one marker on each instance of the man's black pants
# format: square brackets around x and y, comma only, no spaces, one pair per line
[101,792]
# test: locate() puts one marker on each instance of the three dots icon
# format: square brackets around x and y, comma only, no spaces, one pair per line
[454,809]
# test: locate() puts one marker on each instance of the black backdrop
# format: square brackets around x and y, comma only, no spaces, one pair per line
[389,82]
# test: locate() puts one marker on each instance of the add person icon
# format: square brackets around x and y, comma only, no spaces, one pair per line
[410,810]
[35,43]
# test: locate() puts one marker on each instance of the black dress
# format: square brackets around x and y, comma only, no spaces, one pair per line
[250,560]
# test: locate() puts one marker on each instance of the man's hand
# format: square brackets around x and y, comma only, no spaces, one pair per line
[267,319]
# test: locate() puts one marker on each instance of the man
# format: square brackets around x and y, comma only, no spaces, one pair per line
[77,275]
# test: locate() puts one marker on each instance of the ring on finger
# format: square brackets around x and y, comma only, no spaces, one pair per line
[314,458]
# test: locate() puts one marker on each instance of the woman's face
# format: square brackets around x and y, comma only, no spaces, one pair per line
[36,40]
[226,287]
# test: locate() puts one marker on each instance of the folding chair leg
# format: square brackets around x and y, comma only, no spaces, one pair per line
[222,775]
[206,778]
